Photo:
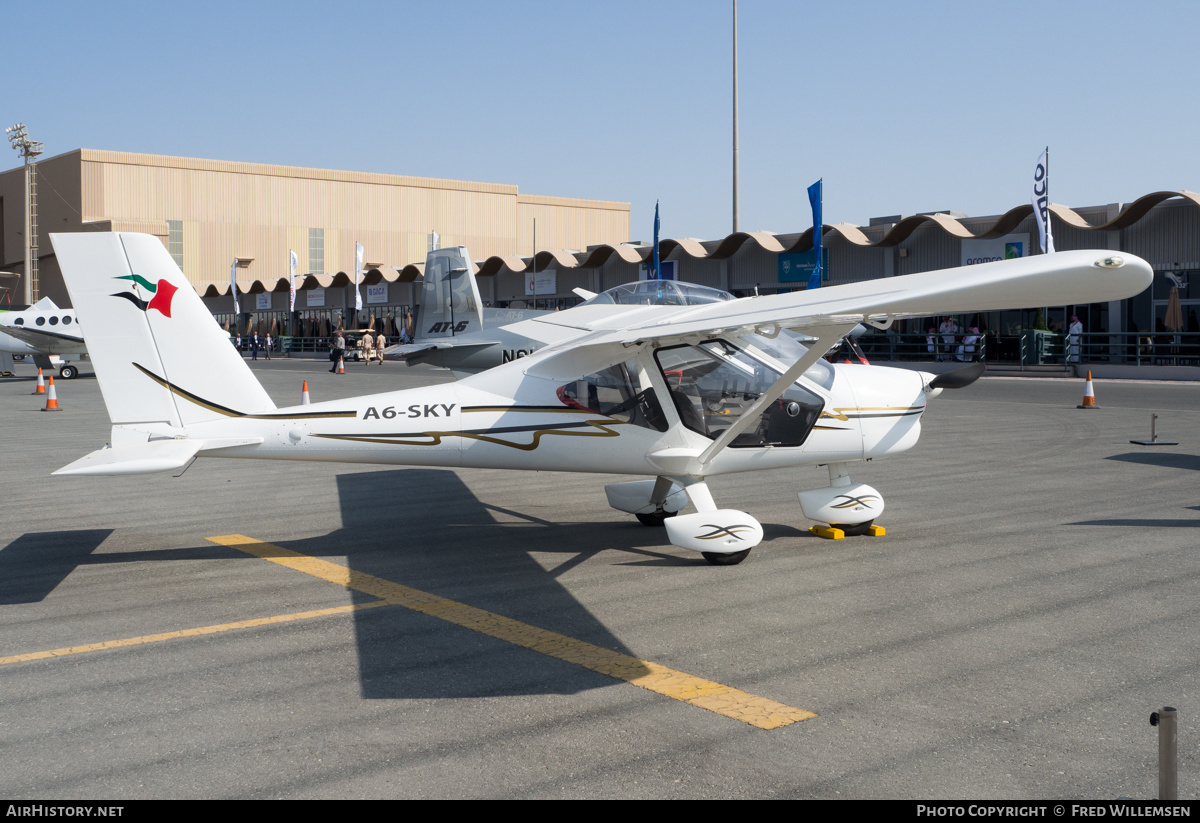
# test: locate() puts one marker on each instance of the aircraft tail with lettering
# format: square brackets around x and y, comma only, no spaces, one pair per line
[450,303]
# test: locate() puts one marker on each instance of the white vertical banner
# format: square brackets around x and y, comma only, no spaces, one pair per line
[436,239]
[358,260]
[293,261]
[1041,201]
[237,308]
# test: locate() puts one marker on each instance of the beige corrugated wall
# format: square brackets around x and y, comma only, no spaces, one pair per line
[259,211]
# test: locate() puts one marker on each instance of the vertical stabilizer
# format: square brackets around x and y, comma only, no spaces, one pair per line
[158,352]
[450,303]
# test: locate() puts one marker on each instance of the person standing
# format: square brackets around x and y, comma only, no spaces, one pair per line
[1074,339]
[254,346]
[368,347]
[267,348]
[966,349]
[949,329]
[337,351]
[380,343]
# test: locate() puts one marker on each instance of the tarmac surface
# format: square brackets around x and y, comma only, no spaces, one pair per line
[1037,595]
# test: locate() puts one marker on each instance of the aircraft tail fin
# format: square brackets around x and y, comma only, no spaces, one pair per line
[158,353]
[450,303]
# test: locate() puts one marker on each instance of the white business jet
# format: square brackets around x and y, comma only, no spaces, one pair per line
[47,333]
[676,394]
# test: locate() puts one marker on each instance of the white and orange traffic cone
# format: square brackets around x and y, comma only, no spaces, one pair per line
[1089,394]
[51,397]
[41,384]
[304,401]
[341,365]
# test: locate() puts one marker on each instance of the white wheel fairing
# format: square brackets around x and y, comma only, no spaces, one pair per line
[634,497]
[856,503]
[722,532]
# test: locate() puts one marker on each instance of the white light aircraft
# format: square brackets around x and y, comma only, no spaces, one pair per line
[45,332]
[676,394]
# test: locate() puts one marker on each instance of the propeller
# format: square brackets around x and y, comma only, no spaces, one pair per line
[959,378]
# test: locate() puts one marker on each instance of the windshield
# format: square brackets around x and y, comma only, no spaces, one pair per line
[660,293]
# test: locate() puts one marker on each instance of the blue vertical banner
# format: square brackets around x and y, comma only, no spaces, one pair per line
[814,199]
[657,265]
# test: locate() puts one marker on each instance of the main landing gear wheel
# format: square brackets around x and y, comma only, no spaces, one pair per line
[855,530]
[655,520]
[725,559]
[68,372]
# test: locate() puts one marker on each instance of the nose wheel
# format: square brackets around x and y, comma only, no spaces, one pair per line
[729,559]
[656,519]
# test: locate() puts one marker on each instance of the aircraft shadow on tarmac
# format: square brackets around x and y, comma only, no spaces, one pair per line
[1166,460]
[423,529]
[35,564]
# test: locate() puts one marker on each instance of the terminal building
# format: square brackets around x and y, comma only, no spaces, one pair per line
[211,213]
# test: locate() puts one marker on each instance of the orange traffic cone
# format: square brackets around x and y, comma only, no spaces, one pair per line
[304,401]
[1089,394]
[341,366]
[51,398]
[41,384]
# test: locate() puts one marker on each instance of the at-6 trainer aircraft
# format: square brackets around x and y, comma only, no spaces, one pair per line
[675,393]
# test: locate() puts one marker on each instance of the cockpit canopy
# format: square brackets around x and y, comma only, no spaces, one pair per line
[660,293]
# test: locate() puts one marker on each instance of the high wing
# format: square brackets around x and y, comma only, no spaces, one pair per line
[1088,276]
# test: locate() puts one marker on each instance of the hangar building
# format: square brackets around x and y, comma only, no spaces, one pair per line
[210,212]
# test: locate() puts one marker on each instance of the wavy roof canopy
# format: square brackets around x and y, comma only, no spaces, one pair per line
[689,247]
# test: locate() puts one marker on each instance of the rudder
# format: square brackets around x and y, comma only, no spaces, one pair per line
[158,353]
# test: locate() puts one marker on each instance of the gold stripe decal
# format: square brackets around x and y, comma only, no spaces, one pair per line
[436,437]
[845,414]
[228,412]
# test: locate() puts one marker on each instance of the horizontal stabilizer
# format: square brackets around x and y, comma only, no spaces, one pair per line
[147,458]
[408,351]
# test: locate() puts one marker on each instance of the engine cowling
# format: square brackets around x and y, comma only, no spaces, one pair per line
[852,504]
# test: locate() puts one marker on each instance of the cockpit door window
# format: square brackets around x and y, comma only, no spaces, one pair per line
[712,384]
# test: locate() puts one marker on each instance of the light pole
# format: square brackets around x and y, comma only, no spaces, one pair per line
[28,149]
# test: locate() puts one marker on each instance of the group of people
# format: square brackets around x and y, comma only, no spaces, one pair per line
[371,344]
[951,347]
[255,344]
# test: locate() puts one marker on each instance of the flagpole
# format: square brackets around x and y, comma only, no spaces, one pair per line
[735,121]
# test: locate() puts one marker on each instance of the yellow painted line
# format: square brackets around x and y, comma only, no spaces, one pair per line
[725,700]
[155,638]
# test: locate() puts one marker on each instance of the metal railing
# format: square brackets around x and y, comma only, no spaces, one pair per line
[1032,347]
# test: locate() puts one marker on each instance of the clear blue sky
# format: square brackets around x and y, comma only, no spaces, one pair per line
[901,108]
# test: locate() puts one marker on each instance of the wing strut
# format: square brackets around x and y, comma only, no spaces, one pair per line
[826,337]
